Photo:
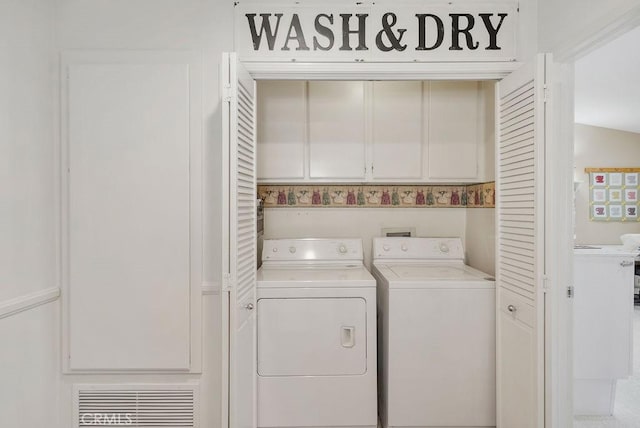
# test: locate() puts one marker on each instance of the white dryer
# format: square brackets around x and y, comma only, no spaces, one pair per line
[436,335]
[316,333]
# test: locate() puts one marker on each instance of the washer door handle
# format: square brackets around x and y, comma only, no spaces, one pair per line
[348,336]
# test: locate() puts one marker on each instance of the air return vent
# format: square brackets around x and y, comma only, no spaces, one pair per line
[127,405]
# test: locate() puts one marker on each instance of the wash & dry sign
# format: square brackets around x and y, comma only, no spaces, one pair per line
[387,32]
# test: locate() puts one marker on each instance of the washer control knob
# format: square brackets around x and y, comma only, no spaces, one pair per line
[404,247]
[292,250]
[275,250]
[444,248]
[342,248]
[386,247]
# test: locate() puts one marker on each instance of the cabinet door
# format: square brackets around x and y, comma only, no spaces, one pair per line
[603,317]
[521,235]
[282,118]
[336,130]
[397,122]
[453,129]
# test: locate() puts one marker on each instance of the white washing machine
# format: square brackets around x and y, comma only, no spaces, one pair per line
[316,335]
[436,335]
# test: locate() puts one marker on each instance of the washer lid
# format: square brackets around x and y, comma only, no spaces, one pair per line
[308,276]
[433,274]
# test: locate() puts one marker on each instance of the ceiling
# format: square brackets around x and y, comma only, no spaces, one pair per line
[607,85]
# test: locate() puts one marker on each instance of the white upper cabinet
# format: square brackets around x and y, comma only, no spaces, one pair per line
[336,130]
[454,133]
[282,129]
[382,131]
[398,130]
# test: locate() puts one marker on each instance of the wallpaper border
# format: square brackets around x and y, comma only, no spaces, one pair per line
[377,196]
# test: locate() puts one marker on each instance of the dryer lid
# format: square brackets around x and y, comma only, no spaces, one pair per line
[291,275]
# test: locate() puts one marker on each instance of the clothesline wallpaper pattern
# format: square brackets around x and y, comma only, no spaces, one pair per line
[377,196]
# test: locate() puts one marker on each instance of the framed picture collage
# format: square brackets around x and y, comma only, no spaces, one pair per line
[613,194]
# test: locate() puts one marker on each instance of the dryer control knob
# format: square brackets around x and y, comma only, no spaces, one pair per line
[275,250]
[292,250]
[444,248]
[343,249]
[404,247]
[386,247]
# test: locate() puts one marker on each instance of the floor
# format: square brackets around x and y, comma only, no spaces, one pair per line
[626,413]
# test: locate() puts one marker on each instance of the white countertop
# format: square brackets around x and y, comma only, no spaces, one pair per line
[605,250]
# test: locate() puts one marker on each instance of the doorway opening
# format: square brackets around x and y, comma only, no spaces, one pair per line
[606,134]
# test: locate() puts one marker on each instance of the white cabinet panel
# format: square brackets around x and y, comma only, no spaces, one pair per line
[453,129]
[336,130]
[397,121]
[282,129]
[603,315]
[131,142]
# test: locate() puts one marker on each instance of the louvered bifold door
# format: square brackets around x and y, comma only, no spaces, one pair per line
[239,105]
[520,247]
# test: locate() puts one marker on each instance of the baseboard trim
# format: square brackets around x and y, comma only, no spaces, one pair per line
[28,301]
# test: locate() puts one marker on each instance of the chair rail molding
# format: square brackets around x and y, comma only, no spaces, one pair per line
[28,301]
[211,288]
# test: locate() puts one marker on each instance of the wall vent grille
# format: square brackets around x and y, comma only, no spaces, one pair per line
[157,406]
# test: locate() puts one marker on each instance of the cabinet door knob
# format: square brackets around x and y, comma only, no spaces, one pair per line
[249,306]
[511,308]
[626,263]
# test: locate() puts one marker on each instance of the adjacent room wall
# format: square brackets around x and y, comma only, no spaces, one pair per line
[29,343]
[601,148]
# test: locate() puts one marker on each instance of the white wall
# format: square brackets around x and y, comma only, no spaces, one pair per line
[27,261]
[564,24]
[201,25]
[601,148]
[364,223]
[204,26]
[28,340]
[480,243]
[476,226]
[29,367]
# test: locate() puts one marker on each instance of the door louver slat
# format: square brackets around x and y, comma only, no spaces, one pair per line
[516,209]
[243,197]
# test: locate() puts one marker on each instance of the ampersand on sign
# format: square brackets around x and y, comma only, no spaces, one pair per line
[388,21]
